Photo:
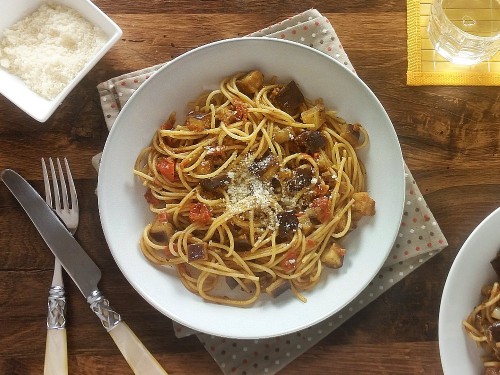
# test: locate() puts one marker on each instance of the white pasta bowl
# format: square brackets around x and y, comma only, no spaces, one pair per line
[471,270]
[14,89]
[124,213]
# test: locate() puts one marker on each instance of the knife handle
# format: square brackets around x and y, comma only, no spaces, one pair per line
[56,362]
[140,360]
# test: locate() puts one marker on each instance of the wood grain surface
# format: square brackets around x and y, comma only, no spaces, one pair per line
[450,137]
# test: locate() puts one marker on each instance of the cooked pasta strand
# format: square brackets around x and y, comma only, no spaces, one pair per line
[250,192]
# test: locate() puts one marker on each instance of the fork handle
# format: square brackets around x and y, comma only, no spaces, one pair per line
[56,362]
[56,352]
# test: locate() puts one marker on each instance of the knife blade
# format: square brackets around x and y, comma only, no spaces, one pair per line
[82,270]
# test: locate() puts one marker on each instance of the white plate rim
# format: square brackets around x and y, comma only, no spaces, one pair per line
[461,292]
[274,329]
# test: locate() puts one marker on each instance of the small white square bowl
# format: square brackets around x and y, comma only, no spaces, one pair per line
[14,89]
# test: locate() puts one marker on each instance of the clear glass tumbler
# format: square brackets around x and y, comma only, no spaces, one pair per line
[465,31]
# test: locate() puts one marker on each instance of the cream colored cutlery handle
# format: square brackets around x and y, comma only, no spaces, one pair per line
[138,357]
[56,358]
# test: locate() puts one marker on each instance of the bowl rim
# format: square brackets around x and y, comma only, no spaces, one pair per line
[391,237]
[469,272]
[18,93]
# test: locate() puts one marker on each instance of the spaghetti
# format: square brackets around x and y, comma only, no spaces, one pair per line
[482,325]
[253,191]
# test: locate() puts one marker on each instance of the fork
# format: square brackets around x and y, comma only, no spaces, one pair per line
[66,208]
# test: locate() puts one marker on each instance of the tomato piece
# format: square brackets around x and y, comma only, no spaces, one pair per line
[322,208]
[216,151]
[321,189]
[162,217]
[341,251]
[290,261]
[310,243]
[200,214]
[166,166]
[241,110]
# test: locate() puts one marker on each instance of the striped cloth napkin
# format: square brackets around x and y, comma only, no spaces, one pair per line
[419,238]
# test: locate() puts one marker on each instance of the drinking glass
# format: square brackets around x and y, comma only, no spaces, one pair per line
[465,31]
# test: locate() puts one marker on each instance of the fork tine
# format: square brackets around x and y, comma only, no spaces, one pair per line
[72,188]
[48,194]
[55,185]
[61,194]
[62,182]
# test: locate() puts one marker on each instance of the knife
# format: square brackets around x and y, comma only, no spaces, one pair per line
[83,271]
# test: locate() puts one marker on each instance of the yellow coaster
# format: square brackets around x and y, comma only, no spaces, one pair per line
[427,67]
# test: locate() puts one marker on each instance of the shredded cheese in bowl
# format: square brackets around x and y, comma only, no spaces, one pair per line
[49,47]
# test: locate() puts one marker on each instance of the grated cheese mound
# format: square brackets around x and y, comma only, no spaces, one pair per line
[246,191]
[48,48]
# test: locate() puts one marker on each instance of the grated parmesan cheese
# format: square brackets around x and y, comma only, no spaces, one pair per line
[246,191]
[48,48]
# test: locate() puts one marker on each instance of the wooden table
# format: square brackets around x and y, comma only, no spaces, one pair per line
[450,138]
